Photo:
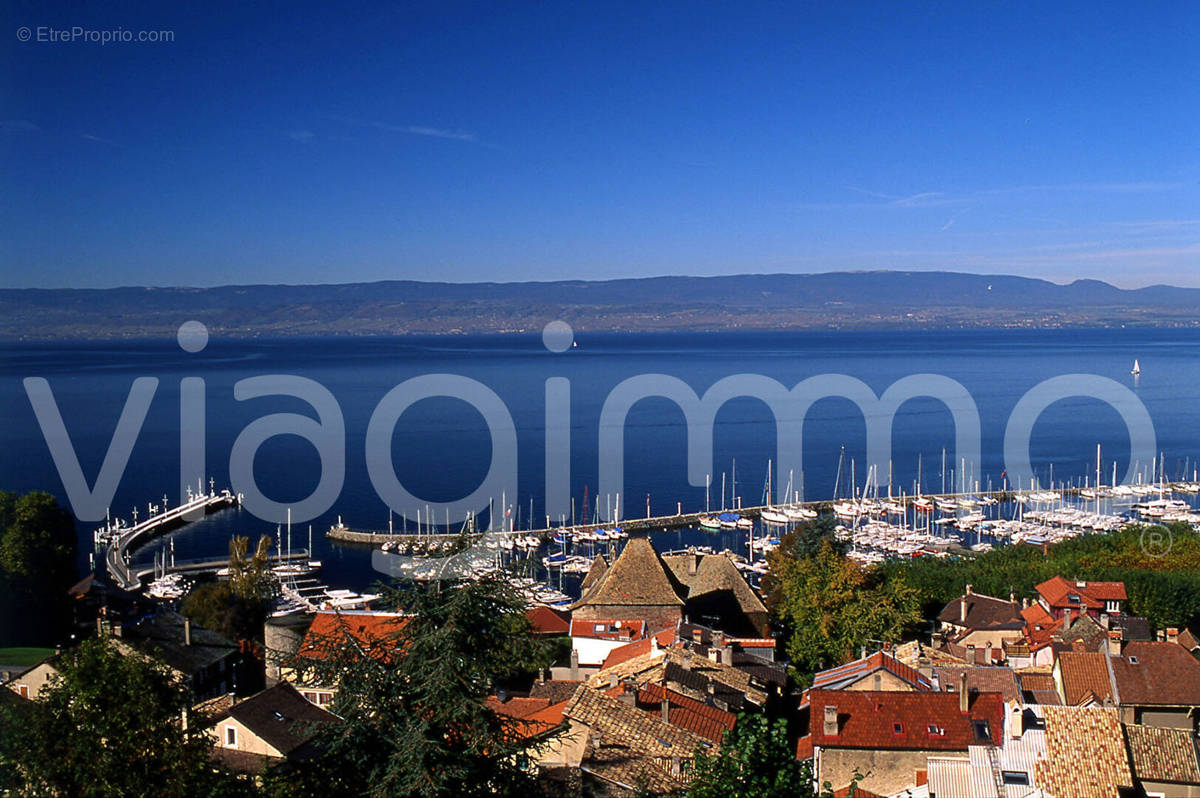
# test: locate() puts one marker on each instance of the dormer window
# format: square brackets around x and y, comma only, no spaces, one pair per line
[1133,660]
[1073,598]
[983,730]
[898,728]
[936,730]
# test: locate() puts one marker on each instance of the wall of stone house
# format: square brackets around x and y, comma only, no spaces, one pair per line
[1169,790]
[887,772]
[33,680]
[246,742]
[657,617]
[888,682]
[981,637]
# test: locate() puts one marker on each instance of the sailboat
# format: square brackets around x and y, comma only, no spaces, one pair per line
[1137,368]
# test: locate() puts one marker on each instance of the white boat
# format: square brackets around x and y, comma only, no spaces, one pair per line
[1137,368]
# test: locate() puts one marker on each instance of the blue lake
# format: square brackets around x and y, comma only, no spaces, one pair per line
[441,447]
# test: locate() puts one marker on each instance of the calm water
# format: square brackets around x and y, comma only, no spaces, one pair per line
[441,447]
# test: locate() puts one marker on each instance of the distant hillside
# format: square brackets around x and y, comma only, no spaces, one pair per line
[884,299]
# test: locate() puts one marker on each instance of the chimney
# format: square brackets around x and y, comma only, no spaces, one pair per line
[969,586]
[1105,621]
[692,560]
[653,644]
[1024,602]
[99,626]
[712,687]
[1066,619]
[987,653]
[714,655]
[187,631]
[628,696]
[718,639]
[613,680]
[665,708]
[1016,722]
[830,728]
[698,636]
[574,665]
[962,608]
[1172,634]
[971,660]
[964,699]
[685,662]
[862,652]
[1115,639]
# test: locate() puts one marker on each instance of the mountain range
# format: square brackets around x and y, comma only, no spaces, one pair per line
[845,300]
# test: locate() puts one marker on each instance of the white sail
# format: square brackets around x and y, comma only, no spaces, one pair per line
[1137,368]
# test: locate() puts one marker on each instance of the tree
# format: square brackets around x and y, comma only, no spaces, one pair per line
[754,761]
[108,724]
[415,720]
[829,606]
[37,566]
[237,607]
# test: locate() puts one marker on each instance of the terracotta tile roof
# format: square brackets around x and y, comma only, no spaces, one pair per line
[554,689]
[981,680]
[1163,754]
[631,747]
[983,612]
[688,713]
[376,633]
[687,672]
[518,707]
[1084,677]
[1047,698]
[630,650]
[859,792]
[1040,626]
[1189,640]
[804,747]
[612,629]
[1057,591]
[1036,681]
[533,716]
[885,721]
[1163,674]
[843,675]
[1085,754]
[638,578]
[546,621]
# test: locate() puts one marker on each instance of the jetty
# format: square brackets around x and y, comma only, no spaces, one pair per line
[122,540]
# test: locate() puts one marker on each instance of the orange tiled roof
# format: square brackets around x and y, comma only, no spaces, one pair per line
[905,721]
[1058,590]
[375,632]
[546,621]
[1084,677]
[1085,753]
[688,713]
[630,650]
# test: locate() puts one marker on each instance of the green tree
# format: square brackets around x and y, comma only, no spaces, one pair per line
[829,606]
[108,724]
[238,606]
[755,761]
[37,565]
[415,718]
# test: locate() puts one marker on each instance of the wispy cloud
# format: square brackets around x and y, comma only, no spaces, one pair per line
[1161,225]
[949,223]
[304,136]
[428,131]
[17,126]
[98,139]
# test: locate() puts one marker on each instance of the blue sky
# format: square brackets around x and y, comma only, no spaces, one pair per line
[454,141]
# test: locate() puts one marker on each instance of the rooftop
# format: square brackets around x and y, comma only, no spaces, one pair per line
[1085,753]
[1060,592]
[1163,754]
[906,721]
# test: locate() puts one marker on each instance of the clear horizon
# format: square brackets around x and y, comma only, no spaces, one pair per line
[466,142]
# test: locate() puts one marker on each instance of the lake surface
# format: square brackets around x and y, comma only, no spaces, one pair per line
[441,448]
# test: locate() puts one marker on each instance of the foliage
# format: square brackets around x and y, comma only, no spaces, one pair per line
[37,566]
[415,718]
[1163,586]
[828,605]
[107,724]
[755,761]
[237,607]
